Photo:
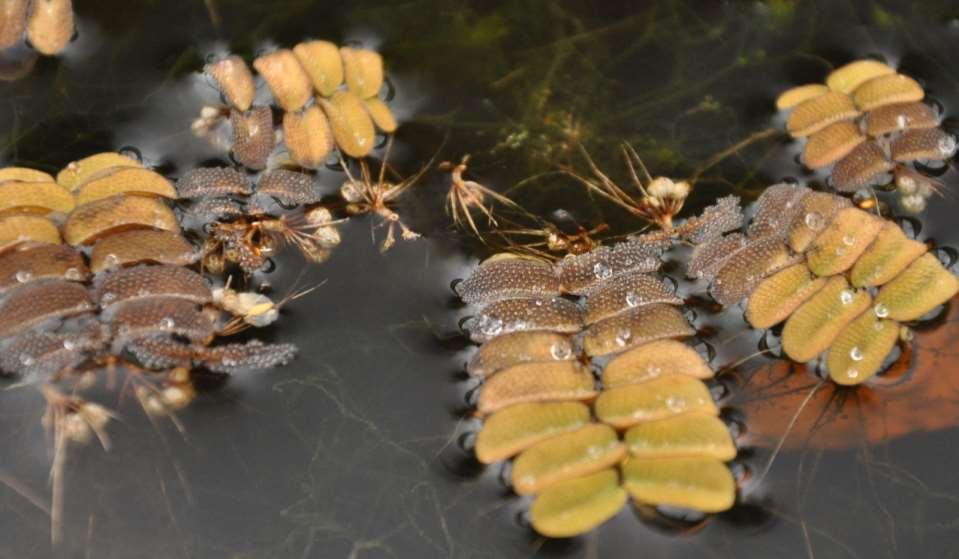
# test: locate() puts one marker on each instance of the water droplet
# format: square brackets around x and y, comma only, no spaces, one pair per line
[167,323]
[489,325]
[852,373]
[602,271]
[27,360]
[855,353]
[849,240]
[632,299]
[594,451]
[111,260]
[69,344]
[814,221]
[73,274]
[947,146]
[882,311]
[676,403]
[108,297]
[561,351]
[623,336]
[901,121]
[24,276]
[653,370]
[846,296]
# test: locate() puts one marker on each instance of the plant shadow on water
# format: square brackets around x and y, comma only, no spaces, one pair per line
[353,449]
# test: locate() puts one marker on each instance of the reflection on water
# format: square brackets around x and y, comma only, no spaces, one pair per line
[353,450]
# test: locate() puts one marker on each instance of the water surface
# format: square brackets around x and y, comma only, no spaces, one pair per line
[353,449]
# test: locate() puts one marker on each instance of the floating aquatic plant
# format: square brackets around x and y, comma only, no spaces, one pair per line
[841,278]
[866,122]
[96,276]
[243,224]
[327,97]
[48,25]
[328,100]
[648,430]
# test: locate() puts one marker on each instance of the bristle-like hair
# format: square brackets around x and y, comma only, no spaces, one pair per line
[141,245]
[253,138]
[91,221]
[210,182]
[39,301]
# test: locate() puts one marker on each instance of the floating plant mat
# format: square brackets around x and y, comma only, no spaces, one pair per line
[352,449]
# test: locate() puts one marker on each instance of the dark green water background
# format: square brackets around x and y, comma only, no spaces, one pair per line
[352,450]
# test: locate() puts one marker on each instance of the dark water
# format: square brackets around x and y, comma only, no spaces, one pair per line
[352,451]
